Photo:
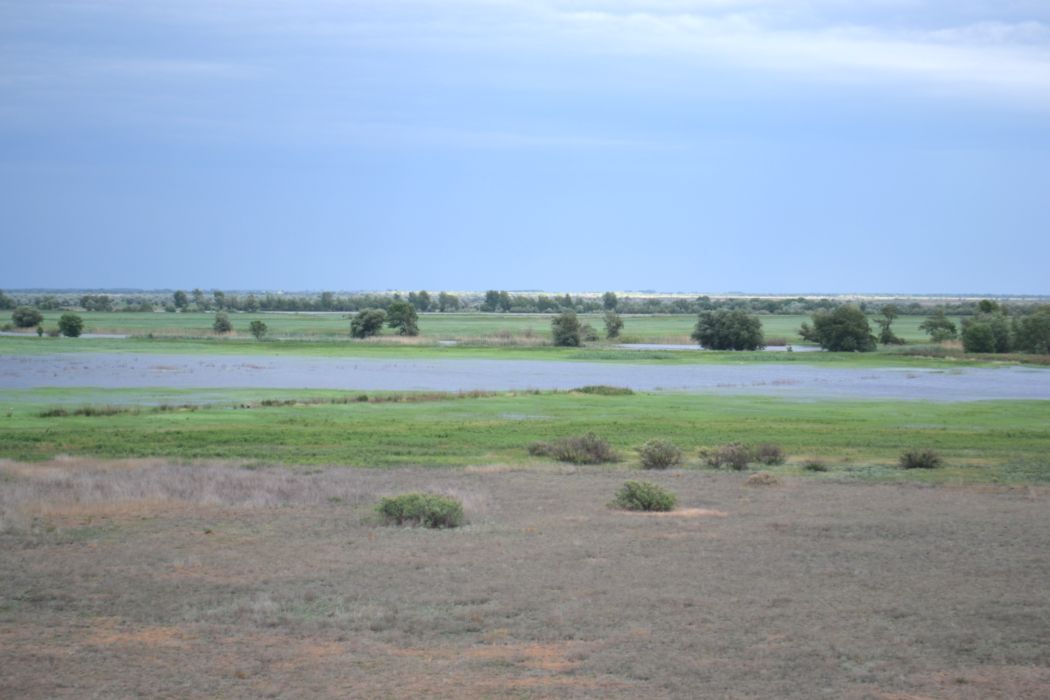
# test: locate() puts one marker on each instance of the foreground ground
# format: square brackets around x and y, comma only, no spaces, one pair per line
[130,579]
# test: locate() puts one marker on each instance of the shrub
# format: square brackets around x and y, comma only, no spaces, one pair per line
[641,495]
[920,459]
[659,454]
[71,325]
[728,330]
[604,390]
[939,327]
[613,324]
[986,333]
[814,465]
[222,323]
[259,329]
[403,316]
[734,455]
[588,333]
[565,329]
[582,449]
[769,454]
[425,509]
[25,317]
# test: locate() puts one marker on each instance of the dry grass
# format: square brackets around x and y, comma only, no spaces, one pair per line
[270,583]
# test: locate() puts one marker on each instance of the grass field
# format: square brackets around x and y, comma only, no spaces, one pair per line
[143,579]
[981,441]
[447,326]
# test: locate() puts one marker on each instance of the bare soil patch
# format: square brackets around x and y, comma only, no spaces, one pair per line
[227,582]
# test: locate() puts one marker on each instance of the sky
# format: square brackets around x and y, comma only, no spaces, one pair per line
[754,146]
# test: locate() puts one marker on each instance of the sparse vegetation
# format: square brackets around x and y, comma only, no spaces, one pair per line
[762,479]
[734,455]
[920,459]
[642,495]
[421,509]
[769,454]
[815,465]
[659,454]
[604,390]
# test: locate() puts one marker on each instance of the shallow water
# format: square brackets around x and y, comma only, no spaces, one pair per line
[118,370]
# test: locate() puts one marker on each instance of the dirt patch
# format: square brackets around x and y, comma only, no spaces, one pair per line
[681,513]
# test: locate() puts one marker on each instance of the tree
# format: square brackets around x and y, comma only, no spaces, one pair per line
[886,335]
[1033,332]
[845,329]
[447,302]
[987,306]
[613,324]
[402,316]
[327,301]
[728,330]
[421,300]
[504,301]
[25,317]
[565,329]
[181,300]
[71,325]
[610,301]
[251,304]
[6,302]
[939,327]
[222,323]
[198,299]
[367,322]
[491,302]
[220,299]
[259,329]
[986,332]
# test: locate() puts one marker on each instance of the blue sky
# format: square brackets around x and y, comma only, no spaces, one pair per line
[678,145]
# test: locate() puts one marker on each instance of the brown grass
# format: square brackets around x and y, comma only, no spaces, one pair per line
[146,579]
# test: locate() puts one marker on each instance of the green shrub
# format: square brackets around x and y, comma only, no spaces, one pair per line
[814,465]
[734,455]
[425,509]
[565,329]
[659,454]
[259,329]
[582,449]
[222,323]
[769,454]
[25,317]
[71,325]
[920,459]
[604,390]
[641,495]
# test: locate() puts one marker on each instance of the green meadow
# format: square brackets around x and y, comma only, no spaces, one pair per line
[982,442]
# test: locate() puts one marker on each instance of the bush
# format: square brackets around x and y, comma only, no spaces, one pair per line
[367,322]
[986,333]
[920,459]
[728,330]
[565,329]
[425,509]
[25,317]
[71,325]
[613,324]
[845,329]
[604,390]
[403,316]
[588,333]
[641,495]
[259,329]
[814,465]
[583,449]
[735,455]
[222,323]
[762,479]
[659,454]
[769,454]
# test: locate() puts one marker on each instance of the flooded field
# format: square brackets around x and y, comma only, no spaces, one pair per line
[796,381]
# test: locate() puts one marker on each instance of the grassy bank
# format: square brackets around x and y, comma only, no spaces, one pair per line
[981,442]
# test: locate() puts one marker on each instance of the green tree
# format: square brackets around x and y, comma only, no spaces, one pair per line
[199,300]
[1033,331]
[402,316]
[565,329]
[886,335]
[222,323]
[420,300]
[25,317]
[845,329]
[251,304]
[610,301]
[181,300]
[987,306]
[6,302]
[71,325]
[939,327]
[259,329]
[447,302]
[613,324]
[491,302]
[728,330]
[986,332]
[327,301]
[367,322]
[220,299]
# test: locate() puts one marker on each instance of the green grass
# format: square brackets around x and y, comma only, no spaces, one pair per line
[981,441]
[461,326]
